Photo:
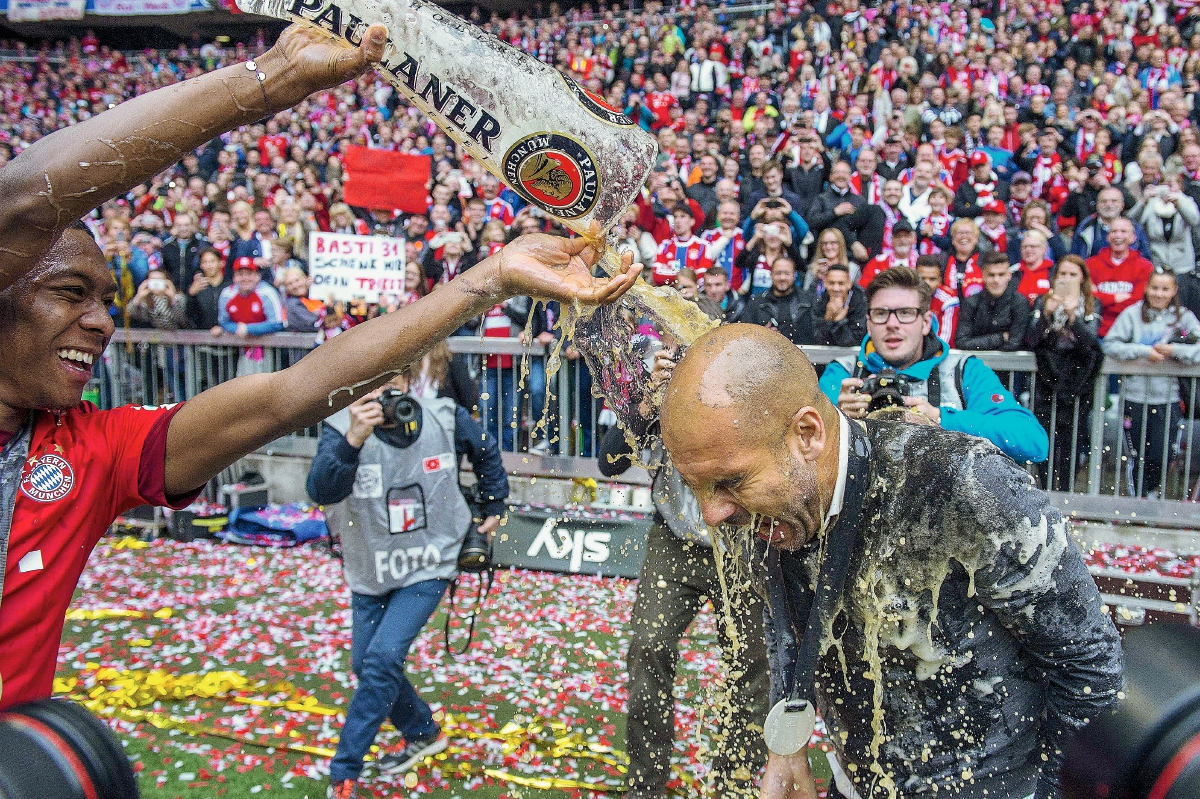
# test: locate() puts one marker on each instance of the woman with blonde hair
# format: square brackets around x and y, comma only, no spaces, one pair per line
[301,314]
[830,249]
[493,237]
[245,240]
[289,226]
[343,220]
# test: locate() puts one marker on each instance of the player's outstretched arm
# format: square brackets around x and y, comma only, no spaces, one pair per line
[224,423]
[68,173]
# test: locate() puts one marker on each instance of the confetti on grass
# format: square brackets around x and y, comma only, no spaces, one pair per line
[225,669]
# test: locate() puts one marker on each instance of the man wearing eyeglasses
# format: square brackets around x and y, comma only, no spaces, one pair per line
[950,389]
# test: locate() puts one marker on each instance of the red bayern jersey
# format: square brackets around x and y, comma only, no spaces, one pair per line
[84,467]
[727,256]
[272,145]
[884,261]
[954,162]
[501,209]
[944,307]
[675,254]
[1035,282]
[661,103]
[497,324]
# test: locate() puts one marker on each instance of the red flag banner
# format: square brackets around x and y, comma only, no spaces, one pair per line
[386,179]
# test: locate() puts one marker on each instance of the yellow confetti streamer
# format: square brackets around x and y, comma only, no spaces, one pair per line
[100,614]
[124,694]
[128,542]
[165,721]
[552,783]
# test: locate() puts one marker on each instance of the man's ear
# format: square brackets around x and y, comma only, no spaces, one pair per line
[806,434]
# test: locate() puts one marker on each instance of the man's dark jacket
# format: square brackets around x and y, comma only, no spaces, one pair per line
[984,319]
[790,314]
[967,642]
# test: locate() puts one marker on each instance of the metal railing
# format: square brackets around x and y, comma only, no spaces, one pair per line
[1106,453]
[518,408]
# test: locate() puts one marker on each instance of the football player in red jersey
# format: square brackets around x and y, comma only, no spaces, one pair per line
[66,468]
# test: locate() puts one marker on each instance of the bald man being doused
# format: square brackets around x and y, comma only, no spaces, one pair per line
[956,639]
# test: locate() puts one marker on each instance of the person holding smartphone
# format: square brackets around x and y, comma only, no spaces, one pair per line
[1062,334]
[158,304]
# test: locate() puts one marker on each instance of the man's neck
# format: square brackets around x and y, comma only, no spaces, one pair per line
[11,419]
[780,294]
[1117,257]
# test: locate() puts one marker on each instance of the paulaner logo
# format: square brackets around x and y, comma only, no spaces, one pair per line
[554,172]
[477,123]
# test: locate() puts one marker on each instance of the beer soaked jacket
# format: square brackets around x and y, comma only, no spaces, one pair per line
[64,477]
[967,642]
[983,407]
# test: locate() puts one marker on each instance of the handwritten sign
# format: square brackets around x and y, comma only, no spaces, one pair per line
[345,267]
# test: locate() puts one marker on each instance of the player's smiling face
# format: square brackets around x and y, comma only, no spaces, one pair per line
[54,325]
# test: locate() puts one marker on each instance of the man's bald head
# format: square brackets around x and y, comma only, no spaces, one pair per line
[749,430]
[736,369]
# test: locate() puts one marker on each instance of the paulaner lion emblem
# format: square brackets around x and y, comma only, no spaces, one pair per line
[554,172]
[546,175]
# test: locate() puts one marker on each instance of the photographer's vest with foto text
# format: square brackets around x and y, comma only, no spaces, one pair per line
[944,388]
[405,518]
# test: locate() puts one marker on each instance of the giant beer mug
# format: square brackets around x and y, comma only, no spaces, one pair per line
[554,143]
[561,148]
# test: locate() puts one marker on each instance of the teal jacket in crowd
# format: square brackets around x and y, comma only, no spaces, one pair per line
[987,409]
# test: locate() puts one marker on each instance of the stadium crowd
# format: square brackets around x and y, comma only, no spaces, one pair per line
[804,150]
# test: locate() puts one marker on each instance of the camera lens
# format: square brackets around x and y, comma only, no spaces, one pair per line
[406,411]
[57,750]
[1150,745]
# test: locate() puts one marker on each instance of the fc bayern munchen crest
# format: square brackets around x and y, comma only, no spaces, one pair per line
[555,173]
[595,105]
[50,479]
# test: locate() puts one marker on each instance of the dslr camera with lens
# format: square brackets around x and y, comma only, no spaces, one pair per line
[54,749]
[402,414]
[886,388]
